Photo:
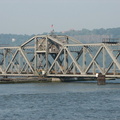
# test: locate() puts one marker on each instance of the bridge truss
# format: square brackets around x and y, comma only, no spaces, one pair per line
[60,56]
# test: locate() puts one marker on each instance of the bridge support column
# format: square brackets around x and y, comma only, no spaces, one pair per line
[56,80]
[101,79]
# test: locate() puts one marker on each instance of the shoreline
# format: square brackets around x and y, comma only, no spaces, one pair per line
[24,80]
[42,79]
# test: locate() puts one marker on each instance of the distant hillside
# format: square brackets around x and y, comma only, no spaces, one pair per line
[13,39]
[84,35]
[93,36]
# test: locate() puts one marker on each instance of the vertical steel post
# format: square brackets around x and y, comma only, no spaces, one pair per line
[8,58]
[114,69]
[46,54]
[94,68]
[84,58]
[4,59]
[104,59]
[65,62]
[74,69]
[35,54]
[19,64]
[55,67]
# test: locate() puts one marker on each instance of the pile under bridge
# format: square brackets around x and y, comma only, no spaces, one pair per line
[60,56]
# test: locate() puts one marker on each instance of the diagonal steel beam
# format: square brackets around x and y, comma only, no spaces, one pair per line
[111,64]
[55,60]
[23,67]
[55,40]
[27,61]
[77,58]
[41,42]
[11,60]
[16,67]
[75,62]
[27,41]
[74,40]
[93,61]
[91,55]
[112,56]
[31,39]
[60,67]
[1,70]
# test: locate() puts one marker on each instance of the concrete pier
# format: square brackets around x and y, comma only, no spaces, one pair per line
[56,80]
[101,79]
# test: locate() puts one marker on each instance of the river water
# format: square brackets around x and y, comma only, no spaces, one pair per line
[60,101]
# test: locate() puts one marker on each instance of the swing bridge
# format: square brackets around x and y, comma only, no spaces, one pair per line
[60,57]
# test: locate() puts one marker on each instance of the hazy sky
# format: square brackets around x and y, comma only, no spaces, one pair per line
[36,16]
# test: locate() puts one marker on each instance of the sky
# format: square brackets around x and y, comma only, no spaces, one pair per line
[37,16]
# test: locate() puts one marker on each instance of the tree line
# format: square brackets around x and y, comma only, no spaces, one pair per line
[84,35]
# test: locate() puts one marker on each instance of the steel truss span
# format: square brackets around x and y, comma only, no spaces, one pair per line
[60,56]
